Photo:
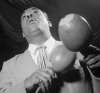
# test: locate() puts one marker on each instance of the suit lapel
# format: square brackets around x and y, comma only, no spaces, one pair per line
[25,65]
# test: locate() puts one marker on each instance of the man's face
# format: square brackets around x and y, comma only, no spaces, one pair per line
[33,22]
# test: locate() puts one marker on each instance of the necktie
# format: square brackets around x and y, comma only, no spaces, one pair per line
[42,58]
[42,62]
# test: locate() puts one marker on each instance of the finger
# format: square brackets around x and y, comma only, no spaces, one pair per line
[44,84]
[44,76]
[48,80]
[46,71]
[36,76]
[41,89]
[49,64]
[88,58]
[95,65]
[93,60]
[50,71]
[31,80]
[44,88]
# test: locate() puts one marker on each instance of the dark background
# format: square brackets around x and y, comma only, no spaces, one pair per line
[11,40]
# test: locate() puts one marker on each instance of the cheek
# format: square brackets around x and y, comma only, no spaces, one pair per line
[24,25]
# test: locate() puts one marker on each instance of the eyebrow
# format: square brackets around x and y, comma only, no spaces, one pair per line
[23,16]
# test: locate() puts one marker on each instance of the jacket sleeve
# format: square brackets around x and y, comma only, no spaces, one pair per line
[95,82]
[95,79]
[8,82]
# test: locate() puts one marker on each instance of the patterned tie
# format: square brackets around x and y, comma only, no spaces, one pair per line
[42,62]
[42,58]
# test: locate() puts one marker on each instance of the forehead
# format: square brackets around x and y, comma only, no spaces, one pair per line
[31,10]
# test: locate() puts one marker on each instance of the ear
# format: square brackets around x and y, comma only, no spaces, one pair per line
[23,34]
[49,23]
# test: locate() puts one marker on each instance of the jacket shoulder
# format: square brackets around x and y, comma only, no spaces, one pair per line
[12,61]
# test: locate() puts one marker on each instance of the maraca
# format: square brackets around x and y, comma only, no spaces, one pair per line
[62,59]
[75,32]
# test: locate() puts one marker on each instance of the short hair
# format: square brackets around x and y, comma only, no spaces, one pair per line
[34,8]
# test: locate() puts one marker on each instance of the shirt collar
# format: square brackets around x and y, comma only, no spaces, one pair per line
[49,44]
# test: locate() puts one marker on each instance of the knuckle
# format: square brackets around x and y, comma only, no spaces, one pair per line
[49,76]
[45,80]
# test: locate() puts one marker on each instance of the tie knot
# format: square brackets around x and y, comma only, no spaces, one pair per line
[39,48]
[42,47]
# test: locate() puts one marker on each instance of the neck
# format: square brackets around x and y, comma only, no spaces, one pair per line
[39,40]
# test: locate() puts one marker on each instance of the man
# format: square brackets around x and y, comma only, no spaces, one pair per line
[22,74]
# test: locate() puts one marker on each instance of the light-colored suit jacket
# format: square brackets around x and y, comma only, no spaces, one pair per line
[17,69]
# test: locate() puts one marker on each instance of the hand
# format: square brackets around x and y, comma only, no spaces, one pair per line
[93,62]
[92,59]
[41,78]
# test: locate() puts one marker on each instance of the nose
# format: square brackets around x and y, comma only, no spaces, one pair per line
[29,15]
[33,14]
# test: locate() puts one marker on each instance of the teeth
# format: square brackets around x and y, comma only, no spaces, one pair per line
[31,20]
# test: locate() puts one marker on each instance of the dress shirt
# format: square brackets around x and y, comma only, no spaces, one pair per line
[49,46]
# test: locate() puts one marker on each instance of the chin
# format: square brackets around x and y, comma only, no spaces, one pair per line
[35,32]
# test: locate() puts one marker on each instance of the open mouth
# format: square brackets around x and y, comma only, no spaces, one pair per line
[32,21]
